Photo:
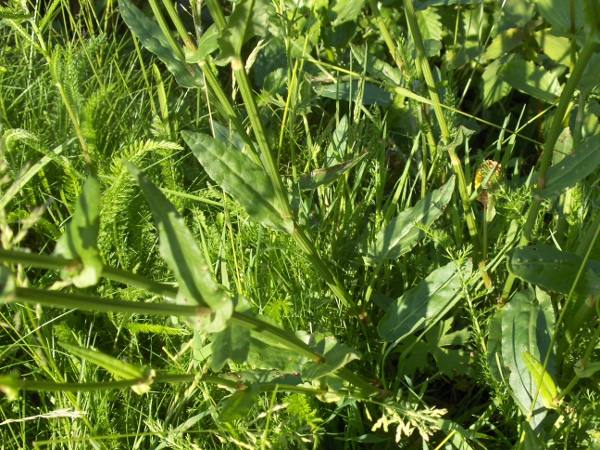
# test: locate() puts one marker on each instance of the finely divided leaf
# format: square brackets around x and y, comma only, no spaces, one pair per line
[402,233]
[425,304]
[183,256]
[80,239]
[152,38]
[554,270]
[241,178]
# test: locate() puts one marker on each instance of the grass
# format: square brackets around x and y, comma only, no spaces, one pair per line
[408,100]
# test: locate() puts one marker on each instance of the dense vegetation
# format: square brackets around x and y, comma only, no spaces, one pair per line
[347,224]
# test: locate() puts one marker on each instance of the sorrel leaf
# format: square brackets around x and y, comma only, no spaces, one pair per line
[241,178]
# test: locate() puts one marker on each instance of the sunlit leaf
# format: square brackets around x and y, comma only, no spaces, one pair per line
[554,270]
[179,249]
[425,304]
[9,386]
[533,80]
[79,241]
[494,89]
[325,176]
[403,232]
[542,379]
[240,177]
[121,370]
[207,44]
[345,11]
[233,343]
[558,14]
[504,43]
[336,355]
[556,47]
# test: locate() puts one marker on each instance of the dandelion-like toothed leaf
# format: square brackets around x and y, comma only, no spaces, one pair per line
[402,233]
[336,355]
[179,249]
[152,38]
[425,304]
[554,270]
[240,177]
[80,239]
[527,326]
[121,370]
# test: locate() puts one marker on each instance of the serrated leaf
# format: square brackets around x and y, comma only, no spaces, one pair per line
[575,166]
[527,326]
[402,233]
[248,19]
[378,68]
[558,14]
[238,405]
[336,355]
[121,370]
[425,304]
[328,175]
[430,24]
[558,48]
[153,39]
[554,270]
[533,80]
[371,94]
[241,178]
[183,256]
[494,89]
[79,241]
[504,43]
[207,44]
[345,11]
[542,379]
[233,343]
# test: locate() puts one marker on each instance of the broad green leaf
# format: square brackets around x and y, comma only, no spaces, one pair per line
[336,150]
[371,94]
[425,304]
[152,38]
[248,19]
[7,284]
[179,249]
[533,80]
[494,348]
[403,232]
[80,239]
[527,326]
[591,20]
[121,370]
[241,178]
[325,176]
[504,43]
[378,68]
[9,385]
[574,167]
[421,6]
[430,24]
[262,355]
[345,11]
[554,270]
[542,379]
[207,44]
[558,48]
[494,89]
[586,370]
[238,405]
[336,355]
[558,14]
[233,343]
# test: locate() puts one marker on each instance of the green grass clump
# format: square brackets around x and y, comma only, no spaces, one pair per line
[320,225]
